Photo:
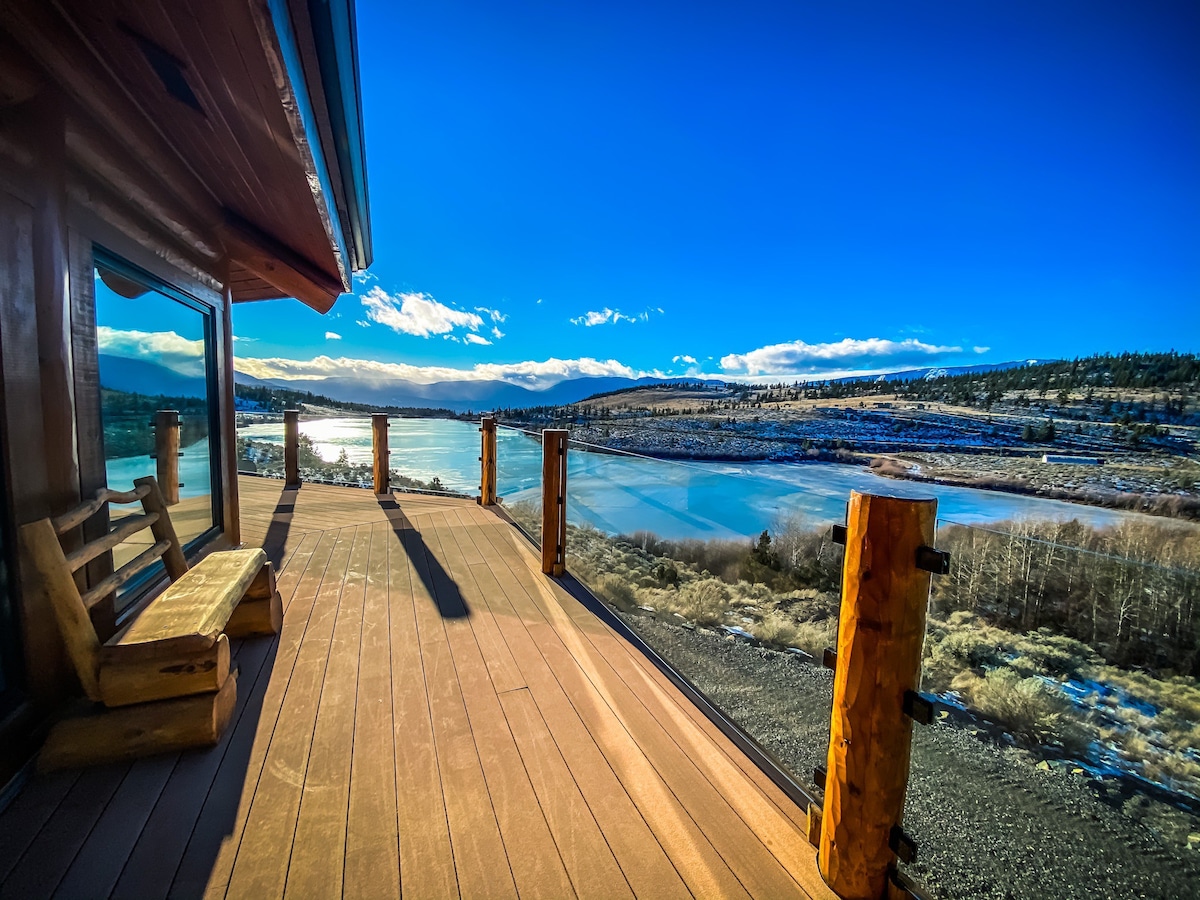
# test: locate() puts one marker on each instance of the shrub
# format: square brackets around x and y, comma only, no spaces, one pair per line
[617,592]
[973,648]
[776,629]
[1025,705]
[814,636]
[1174,769]
[703,602]
[1054,654]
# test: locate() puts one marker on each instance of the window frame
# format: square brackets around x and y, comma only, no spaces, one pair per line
[136,590]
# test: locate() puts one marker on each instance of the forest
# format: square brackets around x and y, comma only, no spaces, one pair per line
[1178,374]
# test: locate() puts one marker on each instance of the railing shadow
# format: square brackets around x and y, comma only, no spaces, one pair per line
[437,581]
[281,523]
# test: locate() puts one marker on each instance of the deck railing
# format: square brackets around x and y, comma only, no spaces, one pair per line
[879,661]
[1063,648]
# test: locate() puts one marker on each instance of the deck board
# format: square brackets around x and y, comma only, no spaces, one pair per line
[372,864]
[437,719]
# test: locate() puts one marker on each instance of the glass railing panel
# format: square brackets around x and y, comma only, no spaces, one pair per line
[437,455]
[426,454]
[519,477]
[729,573]
[1066,741]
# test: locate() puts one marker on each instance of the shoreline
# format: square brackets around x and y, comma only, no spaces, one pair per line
[1174,506]
[1167,506]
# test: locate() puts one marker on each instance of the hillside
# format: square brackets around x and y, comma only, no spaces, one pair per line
[1133,418]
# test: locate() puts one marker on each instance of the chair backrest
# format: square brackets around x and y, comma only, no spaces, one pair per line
[54,569]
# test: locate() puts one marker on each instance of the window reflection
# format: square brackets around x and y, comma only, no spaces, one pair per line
[155,355]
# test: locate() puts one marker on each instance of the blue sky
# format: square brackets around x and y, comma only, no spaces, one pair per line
[756,190]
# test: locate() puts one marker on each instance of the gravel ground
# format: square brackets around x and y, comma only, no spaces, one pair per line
[990,820]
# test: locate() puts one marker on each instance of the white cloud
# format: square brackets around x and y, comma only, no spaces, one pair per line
[497,333]
[494,314]
[799,358]
[420,314]
[689,360]
[332,336]
[363,322]
[166,348]
[981,349]
[532,373]
[593,318]
[476,339]
[606,315]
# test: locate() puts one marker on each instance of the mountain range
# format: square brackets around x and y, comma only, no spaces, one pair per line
[145,377]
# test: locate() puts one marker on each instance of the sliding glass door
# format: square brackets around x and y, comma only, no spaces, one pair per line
[157,361]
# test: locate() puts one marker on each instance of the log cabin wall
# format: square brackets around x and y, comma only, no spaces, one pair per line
[49,363]
[200,145]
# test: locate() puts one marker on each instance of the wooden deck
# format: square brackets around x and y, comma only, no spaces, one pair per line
[437,719]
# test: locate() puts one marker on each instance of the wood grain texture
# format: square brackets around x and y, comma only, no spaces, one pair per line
[487,461]
[260,612]
[291,446]
[24,437]
[379,452]
[48,583]
[881,631]
[554,501]
[165,675]
[166,453]
[163,528]
[194,609]
[436,719]
[113,735]
[93,475]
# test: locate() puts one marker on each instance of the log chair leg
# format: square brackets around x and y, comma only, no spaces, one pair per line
[124,684]
[261,611]
[101,736]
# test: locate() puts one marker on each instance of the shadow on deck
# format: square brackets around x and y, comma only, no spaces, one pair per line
[437,719]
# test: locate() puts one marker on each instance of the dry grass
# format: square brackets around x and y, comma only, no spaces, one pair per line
[704,602]
[776,629]
[1025,705]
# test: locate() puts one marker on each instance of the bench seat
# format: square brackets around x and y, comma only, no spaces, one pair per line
[191,613]
[165,681]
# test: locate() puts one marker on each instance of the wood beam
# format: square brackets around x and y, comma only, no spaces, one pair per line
[56,44]
[278,265]
[96,155]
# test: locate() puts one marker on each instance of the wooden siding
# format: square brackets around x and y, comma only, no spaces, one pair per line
[437,719]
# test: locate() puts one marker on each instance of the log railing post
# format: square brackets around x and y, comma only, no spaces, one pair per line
[379,447]
[487,461]
[166,453]
[291,447]
[554,501]
[880,637]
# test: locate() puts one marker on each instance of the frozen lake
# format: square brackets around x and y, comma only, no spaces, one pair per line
[674,499]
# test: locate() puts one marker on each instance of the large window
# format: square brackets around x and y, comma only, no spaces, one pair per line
[157,354]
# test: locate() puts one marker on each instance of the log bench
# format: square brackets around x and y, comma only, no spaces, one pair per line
[163,682]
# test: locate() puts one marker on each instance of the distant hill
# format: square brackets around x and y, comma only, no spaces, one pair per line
[138,376]
[942,382]
[933,372]
[458,396]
